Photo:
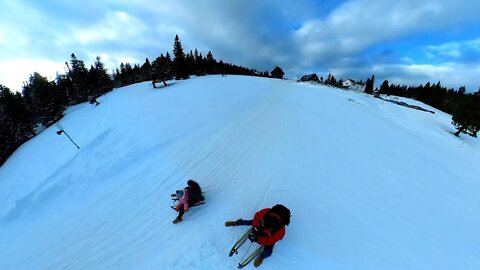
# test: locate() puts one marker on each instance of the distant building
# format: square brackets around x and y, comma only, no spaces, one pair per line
[309,78]
[353,85]
[277,73]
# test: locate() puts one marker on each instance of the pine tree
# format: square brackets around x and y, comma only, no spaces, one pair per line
[210,63]
[384,88]
[369,85]
[197,63]
[93,84]
[340,83]
[189,62]
[179,62]
[126,74]
[167,70]
[162,69]
[437,95]
[16,125]
[333,80]
[43,99]
[64,87]
[466,116]
[137,73]
[103,82]
[329,78]
[146,70]
[78,75]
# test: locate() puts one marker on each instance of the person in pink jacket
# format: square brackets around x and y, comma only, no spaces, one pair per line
[187,197]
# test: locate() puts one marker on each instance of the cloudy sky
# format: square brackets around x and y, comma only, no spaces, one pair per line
[405,41]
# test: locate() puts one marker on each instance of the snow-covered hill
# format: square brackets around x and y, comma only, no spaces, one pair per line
[371,185]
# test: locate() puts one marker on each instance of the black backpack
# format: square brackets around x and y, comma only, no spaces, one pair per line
[281,211]
[195,191]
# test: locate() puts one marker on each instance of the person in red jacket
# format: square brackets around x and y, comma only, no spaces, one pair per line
[268,228]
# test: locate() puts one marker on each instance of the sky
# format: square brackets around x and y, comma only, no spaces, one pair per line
[403,41]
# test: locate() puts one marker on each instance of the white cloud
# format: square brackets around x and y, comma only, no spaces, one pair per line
[451,75]
[111,61]
[407,60]
[433,71]
[296,35]
[117,26]
[10,37]
[454,49]
[359,24]
[23,68]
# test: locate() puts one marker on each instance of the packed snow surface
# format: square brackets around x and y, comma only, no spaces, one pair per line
[370,184]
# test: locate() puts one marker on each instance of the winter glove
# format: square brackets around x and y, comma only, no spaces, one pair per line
[252,236]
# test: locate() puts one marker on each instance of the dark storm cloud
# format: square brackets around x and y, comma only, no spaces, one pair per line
[346,37]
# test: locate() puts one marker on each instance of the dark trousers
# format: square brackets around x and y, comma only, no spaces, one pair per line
[267,250]
[181,211]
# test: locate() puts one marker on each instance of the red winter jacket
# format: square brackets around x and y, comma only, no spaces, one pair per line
[267,240]
[183,201]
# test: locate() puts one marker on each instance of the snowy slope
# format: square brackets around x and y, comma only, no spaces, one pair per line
[371,185]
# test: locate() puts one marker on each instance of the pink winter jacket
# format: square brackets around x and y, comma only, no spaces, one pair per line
[183,201]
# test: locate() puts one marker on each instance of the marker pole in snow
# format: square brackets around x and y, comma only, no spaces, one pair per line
[63,131]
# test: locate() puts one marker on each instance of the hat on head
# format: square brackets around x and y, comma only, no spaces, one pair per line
[271,221]
[179,193]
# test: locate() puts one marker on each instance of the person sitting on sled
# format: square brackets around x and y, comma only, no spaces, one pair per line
[268,228]
[189,196]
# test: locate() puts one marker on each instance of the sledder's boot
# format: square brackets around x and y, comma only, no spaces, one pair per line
[258,261]
[177,220]
[230,223]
